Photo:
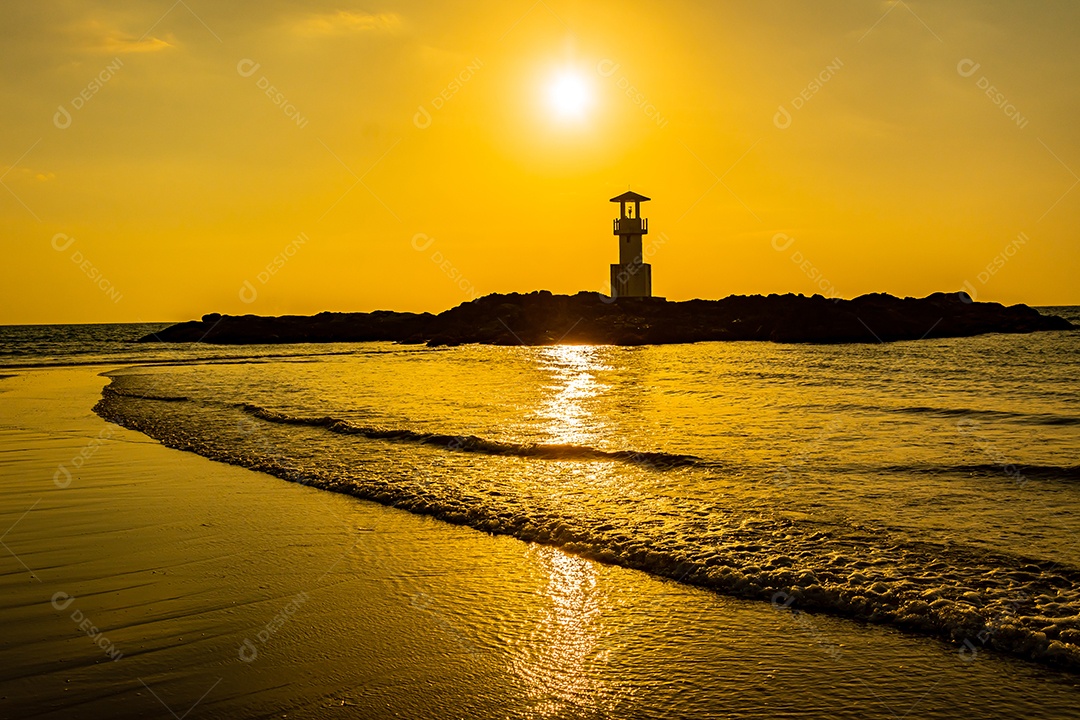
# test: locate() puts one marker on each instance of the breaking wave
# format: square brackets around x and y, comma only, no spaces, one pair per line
[474,444]
[975,597]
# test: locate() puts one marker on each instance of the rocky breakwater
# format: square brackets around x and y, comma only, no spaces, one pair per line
[541,318]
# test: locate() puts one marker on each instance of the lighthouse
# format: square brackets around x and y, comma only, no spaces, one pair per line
[632,276]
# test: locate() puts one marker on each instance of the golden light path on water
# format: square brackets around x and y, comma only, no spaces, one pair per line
[558,670]
[564,638]
[565,414]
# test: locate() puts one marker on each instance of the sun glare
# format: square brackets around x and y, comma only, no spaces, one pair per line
[569,95]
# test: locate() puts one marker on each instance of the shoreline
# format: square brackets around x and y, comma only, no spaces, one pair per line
[185,565]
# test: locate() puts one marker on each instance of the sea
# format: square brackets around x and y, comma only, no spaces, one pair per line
[930,486]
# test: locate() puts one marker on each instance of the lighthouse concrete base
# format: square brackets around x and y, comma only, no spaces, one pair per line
[631,280]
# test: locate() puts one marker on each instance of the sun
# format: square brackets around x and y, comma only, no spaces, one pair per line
[569,95]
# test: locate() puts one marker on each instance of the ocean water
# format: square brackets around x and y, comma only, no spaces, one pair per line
[930,486]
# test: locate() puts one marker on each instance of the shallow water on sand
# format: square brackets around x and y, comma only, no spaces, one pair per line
[183,563]
[930,486]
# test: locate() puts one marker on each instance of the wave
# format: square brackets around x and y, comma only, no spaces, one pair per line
[118,391]
[1019,473]
[1031,418]
[974,597]
[147,358]
[968,413]
[474,444]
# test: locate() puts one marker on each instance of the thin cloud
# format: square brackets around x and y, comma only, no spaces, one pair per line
[25,174]
[348,23]
[116,45]
[98,38]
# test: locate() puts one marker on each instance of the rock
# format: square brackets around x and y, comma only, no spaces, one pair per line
[541,318]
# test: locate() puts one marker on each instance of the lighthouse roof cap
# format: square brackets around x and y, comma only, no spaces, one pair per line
[629,196]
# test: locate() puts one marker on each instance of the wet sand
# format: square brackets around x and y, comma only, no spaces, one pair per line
[155,583]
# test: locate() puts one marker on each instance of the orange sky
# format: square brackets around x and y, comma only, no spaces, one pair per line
[410,156]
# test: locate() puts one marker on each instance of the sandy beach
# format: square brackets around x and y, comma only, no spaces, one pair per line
[155,583]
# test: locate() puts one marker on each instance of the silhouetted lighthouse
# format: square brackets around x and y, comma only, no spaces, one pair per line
[632,277]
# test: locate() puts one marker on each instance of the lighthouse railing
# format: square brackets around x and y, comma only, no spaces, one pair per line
[631,225]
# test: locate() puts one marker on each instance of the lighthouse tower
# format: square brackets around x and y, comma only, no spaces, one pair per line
[632,277]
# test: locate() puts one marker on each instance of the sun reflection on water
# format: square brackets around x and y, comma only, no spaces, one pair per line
[560,669]
[565,415]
